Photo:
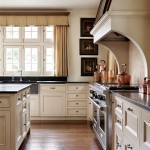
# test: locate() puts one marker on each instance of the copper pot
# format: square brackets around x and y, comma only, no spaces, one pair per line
[123,78]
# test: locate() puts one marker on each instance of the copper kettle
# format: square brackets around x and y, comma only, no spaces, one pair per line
[123,78]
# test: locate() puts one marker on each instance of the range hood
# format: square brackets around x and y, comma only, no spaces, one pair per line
[127,20]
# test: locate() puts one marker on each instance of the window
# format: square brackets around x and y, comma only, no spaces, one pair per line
[31,59]
[30,49]
[12,58]
[11,34]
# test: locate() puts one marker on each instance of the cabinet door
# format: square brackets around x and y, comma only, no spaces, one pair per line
[4,130]
[52,104]
[132,121]
[129,144]
[28,115]
[19,135]
[118,144]
[34,105]
[145,140]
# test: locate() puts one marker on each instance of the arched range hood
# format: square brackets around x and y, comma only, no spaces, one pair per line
[126,20]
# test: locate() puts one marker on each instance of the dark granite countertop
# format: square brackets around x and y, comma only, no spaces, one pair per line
[12,88]
[139,99]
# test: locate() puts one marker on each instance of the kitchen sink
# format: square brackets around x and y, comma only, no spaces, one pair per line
[33,87]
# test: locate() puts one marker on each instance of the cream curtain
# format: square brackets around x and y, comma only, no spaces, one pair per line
[61,56]
[33,20]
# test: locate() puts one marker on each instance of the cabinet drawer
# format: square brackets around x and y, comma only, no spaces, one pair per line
[119,122]
[76,103]
[77,111]
[76,96]
[52,87]
[118,105]
[4,101]
[77,87]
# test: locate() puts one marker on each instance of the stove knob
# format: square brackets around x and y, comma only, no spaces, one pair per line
[102,97]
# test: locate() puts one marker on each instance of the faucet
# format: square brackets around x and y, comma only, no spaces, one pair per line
[20,74]
[13,78]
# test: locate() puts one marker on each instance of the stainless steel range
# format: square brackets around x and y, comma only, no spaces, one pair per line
[102,111]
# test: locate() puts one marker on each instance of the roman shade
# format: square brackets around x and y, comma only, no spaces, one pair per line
[33,20]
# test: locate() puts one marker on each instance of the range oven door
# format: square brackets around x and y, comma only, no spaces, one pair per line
[95,116]
[103,126]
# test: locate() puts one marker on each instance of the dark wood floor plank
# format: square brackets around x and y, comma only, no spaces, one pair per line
[64,136]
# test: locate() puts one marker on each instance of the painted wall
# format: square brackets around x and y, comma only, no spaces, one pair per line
[136,65]
[74,36]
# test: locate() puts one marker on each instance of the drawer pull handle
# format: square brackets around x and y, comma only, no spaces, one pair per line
[128,146]
[52,88]
[76,95]
[0,102]
[129,109]
[77,111]
[118,121]
[77,103]
[118,105]
[119,145]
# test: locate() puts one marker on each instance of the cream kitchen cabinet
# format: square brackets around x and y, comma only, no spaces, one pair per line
[52,100]
[34,105]
[13,126]
[76,99]
[132,126]
[145,130]
[132,122]
[4,129]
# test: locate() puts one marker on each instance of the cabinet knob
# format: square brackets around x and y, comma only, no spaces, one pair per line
[0,102]
[76,95]
[77,111]
[77,103]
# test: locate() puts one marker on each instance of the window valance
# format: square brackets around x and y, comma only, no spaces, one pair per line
[32,20]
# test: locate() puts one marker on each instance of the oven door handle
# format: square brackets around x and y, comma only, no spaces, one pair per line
[94,102]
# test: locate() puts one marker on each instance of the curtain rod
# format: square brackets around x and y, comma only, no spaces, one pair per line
[32,12]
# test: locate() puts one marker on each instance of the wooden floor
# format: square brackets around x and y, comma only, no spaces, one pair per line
[61,136]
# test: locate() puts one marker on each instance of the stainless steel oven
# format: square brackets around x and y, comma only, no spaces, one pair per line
[100,116]
[100,96]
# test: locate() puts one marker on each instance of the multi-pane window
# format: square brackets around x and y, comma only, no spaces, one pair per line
[12,58]
[31,59]
[12,32]
[31,32]
[34,53]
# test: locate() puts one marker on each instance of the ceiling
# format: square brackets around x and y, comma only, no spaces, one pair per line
[49,4]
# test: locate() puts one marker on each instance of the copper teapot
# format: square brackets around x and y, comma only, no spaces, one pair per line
[123,78]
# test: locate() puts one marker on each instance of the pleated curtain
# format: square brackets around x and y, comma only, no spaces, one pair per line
[61,54]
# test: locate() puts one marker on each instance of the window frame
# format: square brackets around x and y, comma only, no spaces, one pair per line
[41,44]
